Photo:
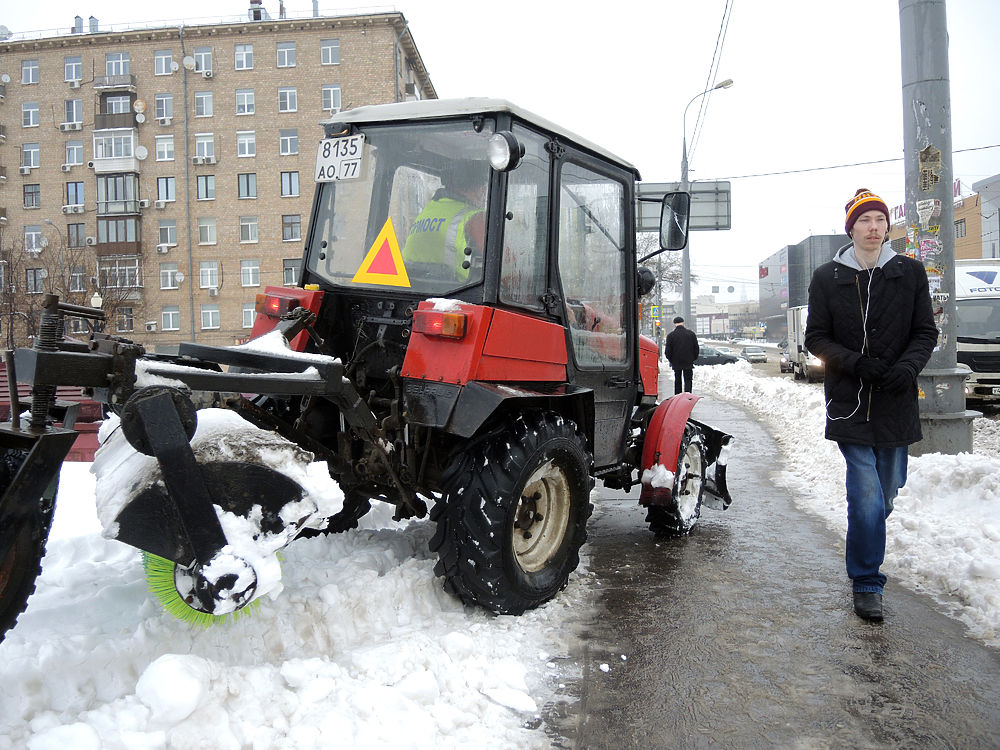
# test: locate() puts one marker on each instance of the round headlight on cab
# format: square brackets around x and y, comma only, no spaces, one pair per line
[504,151]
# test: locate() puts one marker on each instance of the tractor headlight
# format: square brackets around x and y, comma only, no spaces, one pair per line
[504,151]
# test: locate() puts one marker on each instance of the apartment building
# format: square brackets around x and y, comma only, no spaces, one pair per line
[166,174]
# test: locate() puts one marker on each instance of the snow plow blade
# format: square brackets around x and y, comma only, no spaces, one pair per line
[716,490]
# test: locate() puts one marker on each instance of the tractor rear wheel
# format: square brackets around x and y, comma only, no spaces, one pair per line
[514,513]
[680,515]
[26,537]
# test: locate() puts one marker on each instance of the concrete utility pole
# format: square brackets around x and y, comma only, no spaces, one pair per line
[930,236]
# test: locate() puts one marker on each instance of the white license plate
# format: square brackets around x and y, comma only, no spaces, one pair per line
[996,391]
[339,158]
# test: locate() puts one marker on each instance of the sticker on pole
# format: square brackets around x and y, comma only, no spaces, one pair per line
[339,158]
[384,262]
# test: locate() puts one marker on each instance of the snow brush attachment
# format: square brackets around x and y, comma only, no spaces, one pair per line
[167,579]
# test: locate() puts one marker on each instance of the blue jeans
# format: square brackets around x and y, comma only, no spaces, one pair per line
[874,476]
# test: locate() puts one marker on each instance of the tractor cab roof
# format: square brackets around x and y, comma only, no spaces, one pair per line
[442,108]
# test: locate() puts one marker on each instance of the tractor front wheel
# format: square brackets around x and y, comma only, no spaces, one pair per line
[679,516]
[514,512]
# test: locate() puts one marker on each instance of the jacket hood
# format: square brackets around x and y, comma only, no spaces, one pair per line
[846,257]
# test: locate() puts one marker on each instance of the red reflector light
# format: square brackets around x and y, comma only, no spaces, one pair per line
[275,307]
[438,323]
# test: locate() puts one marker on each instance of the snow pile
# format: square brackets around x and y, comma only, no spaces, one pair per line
[942,536]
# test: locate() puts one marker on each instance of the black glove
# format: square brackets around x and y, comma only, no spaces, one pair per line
[871,369]
[897,379]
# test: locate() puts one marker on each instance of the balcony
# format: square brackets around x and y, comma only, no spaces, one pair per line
[123,82]
[119,120]
[114,164]
[118,248]
[116,208]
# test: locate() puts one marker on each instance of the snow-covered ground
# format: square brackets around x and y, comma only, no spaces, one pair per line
[363,648]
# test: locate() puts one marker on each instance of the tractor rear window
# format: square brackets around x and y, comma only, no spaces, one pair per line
[415,216]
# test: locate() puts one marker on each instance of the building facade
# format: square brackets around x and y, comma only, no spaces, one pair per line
[166,174]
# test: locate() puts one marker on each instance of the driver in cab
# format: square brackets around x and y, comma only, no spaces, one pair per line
[451,227]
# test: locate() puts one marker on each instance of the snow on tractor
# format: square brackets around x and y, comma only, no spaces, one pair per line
[464,333]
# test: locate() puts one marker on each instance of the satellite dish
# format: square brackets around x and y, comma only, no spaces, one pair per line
[141,152]
[188,62]
[179,277]
[140,118]
[139,106]
[174,66]
[5,78]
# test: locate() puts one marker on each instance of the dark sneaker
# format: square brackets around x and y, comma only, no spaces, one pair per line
[868,605]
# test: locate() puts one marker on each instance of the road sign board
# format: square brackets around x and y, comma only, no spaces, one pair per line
[711,205]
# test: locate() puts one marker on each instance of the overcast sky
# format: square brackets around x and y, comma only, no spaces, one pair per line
[817,84]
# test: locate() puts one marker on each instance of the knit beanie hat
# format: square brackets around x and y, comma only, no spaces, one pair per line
[863,200]
[678,319]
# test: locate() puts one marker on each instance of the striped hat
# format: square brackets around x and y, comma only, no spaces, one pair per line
[863,200]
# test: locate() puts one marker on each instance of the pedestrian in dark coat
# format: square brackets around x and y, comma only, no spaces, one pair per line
[870,321]
[681,350]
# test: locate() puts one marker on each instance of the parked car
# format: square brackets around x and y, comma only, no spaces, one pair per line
[785,361]
[753,354]
[708,355]
[726,350]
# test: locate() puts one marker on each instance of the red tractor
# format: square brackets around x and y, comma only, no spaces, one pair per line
[464,334]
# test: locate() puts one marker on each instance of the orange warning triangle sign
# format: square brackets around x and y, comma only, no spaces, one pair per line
[384,262]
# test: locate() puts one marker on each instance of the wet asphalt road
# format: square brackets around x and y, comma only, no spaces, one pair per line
[742,636]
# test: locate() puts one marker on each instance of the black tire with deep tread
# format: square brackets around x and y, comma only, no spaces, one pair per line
[23,562]
[476,516]
[677,519]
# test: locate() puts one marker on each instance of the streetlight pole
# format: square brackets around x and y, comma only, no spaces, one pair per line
[685,252]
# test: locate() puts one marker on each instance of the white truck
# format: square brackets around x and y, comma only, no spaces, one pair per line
[977,308]
[804,363]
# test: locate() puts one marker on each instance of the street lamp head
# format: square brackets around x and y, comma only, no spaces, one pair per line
[725,84]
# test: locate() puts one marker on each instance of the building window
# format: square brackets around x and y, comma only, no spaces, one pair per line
[125,320]
[74,194]
[291,227]
[206,187]
[244,102]
[246,143]
[208,274]
[287,99]
[168,277]
[77,279]
[164,148]
[114,145]
[206,231]
[959,229]
[331,97]
[288,141]
[118,272]
[117,105]
[248,230]
[33,196]
[30,155]
[286,54]
[74,110]
[123,229]
[167,231]
[170,318]
[247,184]
[163,105]
[250,272]
[116,64]
[204,145]
[33,238]
[202,59]
[29,71]
[249,314]
[244,57]
[73,68]
[290,271]
[162,62]
[203,104]
[74,152]
[289,184]
[33,278]
[210,316]
[329,51]
[117,192]
[165,189]
[29,114]
[76,236]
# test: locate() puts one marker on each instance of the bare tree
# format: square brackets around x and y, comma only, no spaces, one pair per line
[666,268]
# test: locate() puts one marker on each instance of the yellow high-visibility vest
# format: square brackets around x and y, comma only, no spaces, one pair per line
[438,234]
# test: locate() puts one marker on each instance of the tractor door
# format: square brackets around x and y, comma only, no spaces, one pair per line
[594,251]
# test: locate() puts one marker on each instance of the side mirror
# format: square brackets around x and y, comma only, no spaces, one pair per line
[647,280]
[674,221]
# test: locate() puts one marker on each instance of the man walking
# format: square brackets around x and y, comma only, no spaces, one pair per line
[870,321]
[681,350]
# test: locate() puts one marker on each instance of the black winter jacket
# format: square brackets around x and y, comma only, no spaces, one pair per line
[681,348]
[900,328]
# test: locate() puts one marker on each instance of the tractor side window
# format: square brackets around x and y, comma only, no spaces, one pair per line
[592,264]
[522,273]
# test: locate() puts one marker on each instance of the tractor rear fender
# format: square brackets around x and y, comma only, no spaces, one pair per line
[663,440]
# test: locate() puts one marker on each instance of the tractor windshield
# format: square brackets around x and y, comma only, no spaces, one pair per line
[405,208]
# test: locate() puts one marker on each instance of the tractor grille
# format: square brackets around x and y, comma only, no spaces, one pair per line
[981,361]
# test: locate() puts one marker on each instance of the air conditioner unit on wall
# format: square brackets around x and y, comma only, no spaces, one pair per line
[74,84]
[164,120]
[144,203]
[25,170]
[210,160]
[150,326]
[77,209]
[206,74]
[213,291]
[66,209]
[198,160]
[160,204]
[163,249]
[68,126]
[91,240]
[66,167]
